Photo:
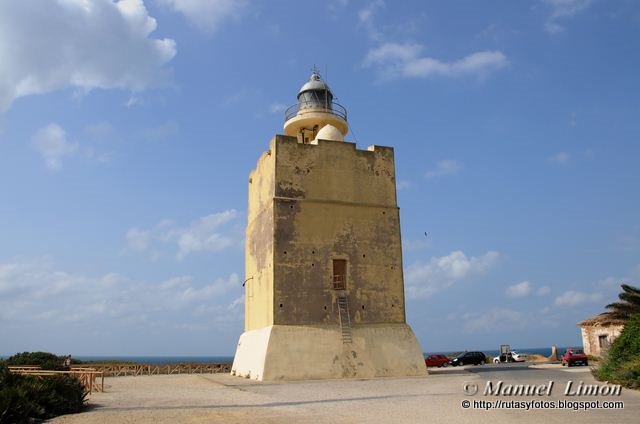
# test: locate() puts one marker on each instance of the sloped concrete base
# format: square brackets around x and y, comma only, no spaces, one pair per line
[285,352]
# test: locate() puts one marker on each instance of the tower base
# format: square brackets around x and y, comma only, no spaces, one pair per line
[288,352]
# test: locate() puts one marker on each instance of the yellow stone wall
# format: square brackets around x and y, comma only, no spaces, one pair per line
[258,311]
[309,204]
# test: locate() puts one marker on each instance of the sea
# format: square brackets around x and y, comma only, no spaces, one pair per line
[159,359]
[544,351]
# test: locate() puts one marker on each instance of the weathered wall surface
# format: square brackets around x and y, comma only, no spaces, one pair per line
[591,337]
[290,352]
[333,201]
[335,171]
[259,244]
[308,205]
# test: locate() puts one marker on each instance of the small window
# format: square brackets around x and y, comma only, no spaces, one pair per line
[603,341]
[339,274]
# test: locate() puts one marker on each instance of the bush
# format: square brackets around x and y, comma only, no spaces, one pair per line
[16,404]
[622,364]
[24,398]
[45,360]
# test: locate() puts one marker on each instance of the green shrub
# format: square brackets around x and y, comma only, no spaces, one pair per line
[622,363]
[25,397]
[45,360]
[627,345]
[629,374]
[16,402]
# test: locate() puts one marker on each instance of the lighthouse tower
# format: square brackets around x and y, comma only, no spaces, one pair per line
[324,291]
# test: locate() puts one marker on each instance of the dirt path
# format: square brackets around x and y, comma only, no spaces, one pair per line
[213,398]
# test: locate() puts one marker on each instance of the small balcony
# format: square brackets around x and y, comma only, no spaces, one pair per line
[333,108]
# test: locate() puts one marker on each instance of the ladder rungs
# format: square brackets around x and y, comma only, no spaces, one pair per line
[345,321]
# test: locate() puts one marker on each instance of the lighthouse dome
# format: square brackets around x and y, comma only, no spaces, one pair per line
[329,132]
[315,93]
[314,110]
[315,83]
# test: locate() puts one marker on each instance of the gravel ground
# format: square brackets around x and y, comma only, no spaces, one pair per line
[437,398]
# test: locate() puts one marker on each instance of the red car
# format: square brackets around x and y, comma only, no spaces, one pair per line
[436,360]
[574,356]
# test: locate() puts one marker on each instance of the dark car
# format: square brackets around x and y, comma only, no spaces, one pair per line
[436,360]
[466,358]
[574,356]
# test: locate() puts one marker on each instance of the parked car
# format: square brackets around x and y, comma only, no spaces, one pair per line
[574,356]
[436,360]
[504,356]
[475,358]
[518,357]
[508,355]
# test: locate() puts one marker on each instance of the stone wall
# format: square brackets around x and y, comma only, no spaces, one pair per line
[310,204]
[591,334]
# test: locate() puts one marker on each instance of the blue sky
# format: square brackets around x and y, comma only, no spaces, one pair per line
[128,130]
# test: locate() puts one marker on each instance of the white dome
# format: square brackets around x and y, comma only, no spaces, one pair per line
[329,132]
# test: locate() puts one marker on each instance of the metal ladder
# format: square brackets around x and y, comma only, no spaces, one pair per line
[345,320]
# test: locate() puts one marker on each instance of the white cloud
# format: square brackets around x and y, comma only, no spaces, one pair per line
[202,235]
[277,107]
[573,119]
[574,298]
[208,15]
[366,18]
[393,52]
[561,9]
[404,60]
[608,282]
[34,290]
[51,45]
[559,158]
[415,245]
[612,284]
[366,14]
[403,184]
[543,291]
[190,294]
[336,5]
[443,168]
[138,239]
[522,289]
[205,234]
[566,8]
[552,27]
[495,320]
[52,143]
[426,279]
[163,131]
[132,101]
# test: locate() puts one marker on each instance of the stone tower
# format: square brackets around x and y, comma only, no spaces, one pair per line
[324,296]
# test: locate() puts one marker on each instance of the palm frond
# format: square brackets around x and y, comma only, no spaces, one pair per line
[630,289]
[630,298]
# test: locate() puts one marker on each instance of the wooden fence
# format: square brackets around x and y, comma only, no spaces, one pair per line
[118,370]
[90,378]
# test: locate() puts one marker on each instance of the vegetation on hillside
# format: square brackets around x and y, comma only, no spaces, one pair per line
[621,364]
[45,360]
